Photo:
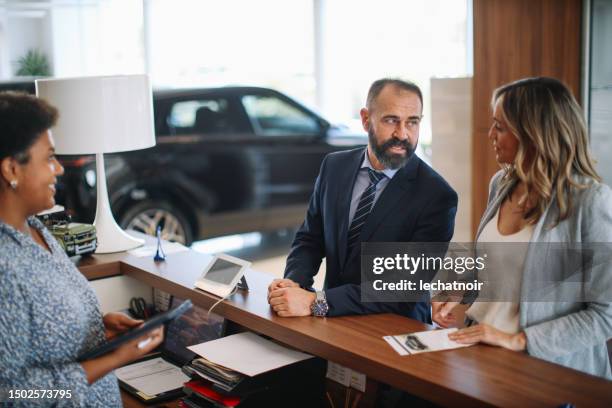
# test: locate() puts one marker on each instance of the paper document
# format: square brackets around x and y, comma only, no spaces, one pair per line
[150,250]
[152,377]
[423,342]
[248,353]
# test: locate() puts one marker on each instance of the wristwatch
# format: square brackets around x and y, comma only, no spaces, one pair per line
[319,307]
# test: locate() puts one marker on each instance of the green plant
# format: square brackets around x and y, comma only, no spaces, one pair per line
[34,63]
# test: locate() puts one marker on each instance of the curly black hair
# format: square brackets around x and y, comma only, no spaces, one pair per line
[23,118]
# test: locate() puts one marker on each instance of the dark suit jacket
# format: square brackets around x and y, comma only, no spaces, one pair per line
[416,206]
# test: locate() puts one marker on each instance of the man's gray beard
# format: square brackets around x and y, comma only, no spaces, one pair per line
[388,160]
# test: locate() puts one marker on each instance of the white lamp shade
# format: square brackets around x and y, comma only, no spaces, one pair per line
[104,114]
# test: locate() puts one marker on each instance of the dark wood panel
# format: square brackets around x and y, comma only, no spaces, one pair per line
[514,39]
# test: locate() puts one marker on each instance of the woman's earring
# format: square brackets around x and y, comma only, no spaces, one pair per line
[14,184]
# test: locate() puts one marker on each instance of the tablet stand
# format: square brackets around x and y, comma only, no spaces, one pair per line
[243,284]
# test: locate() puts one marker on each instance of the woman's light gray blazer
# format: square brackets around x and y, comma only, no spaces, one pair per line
[568,328]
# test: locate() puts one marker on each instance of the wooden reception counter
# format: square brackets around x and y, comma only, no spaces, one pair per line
[474,376]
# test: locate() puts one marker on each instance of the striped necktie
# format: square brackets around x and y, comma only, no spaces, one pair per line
[364,207]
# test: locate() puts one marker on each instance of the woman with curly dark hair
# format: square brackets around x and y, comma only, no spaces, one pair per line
[49,315]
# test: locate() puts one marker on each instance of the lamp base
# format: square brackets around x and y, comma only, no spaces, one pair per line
[111,238]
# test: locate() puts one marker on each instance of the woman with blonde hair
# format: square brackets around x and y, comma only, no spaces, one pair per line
[547,193]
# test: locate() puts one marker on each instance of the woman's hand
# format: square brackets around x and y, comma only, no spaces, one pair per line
[483,333]
[116,323]
[99,367]
[441,313]
[139,347]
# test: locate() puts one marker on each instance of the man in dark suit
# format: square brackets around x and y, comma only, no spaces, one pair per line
[382,193]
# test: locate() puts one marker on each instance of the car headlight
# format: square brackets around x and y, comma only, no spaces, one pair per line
[90,178]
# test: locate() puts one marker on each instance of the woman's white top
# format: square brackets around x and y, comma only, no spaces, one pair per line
[503,315]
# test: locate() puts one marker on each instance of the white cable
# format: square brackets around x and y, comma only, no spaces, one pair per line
[221,300]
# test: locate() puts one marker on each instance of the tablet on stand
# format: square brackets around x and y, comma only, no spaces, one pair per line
[222,274]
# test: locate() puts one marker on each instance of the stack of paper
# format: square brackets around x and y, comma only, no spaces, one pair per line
[222,376]
[423,342]
[248,353]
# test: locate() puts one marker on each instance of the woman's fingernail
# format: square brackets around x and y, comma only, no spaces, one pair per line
[144,343]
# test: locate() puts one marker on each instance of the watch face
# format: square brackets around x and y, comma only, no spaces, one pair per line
[320,308]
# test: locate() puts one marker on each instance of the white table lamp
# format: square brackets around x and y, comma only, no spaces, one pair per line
[100,115]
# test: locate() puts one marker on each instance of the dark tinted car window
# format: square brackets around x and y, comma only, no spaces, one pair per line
[18,86]
[199,116]
[271,116]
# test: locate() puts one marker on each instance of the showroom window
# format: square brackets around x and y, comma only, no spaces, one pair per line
[324,53]
[271,116]
[192,43]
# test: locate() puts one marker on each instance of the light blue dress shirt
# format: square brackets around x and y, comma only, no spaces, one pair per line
[363,181]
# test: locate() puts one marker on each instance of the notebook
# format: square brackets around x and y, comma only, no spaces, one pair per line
[158,377]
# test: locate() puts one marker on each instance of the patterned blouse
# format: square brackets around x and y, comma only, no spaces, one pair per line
[48,317]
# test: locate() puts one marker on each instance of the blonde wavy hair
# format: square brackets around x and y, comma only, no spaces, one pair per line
[553,143]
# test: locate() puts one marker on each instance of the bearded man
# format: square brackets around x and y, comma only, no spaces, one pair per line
[381,193]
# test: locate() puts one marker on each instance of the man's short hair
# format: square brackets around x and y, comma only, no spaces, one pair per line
[378,85]
[23,118]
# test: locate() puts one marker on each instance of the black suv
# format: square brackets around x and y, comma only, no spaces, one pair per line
[227,160]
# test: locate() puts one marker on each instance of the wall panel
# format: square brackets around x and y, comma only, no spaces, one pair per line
[514,39]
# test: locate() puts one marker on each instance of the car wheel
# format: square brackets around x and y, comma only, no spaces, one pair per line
[146,216]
